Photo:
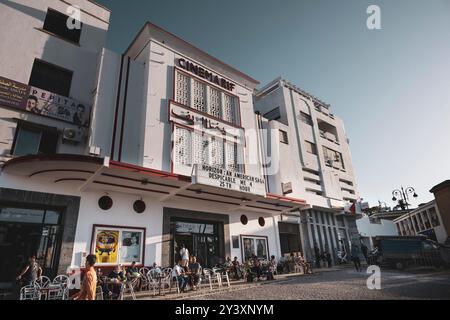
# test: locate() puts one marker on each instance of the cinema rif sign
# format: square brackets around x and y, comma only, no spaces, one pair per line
[218,177]
[27,98]
[205,74]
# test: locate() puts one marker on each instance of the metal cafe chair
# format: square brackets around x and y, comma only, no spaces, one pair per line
[99,293]
[61,280]
[42,282]
[29,292]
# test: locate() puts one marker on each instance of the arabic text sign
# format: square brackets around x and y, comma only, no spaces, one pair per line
[202,122]
[13,94]
[231,180]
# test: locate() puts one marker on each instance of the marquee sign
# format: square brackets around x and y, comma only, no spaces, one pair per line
[198,121]
[226,179]
[20,96]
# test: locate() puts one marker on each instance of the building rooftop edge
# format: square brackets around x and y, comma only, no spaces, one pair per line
[440,186]
[151,25]
[293,87]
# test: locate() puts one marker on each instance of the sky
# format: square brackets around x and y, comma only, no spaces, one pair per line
[390,86]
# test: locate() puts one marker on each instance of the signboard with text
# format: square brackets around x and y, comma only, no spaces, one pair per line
[226,179]
[20,96]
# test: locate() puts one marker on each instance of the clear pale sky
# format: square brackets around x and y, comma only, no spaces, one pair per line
[391,86]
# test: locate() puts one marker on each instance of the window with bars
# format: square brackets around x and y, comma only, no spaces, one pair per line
[215,103]
[205,98]
[183,146]
[229,109]
[183,89]
[231,155]
[199,93]
[199,148]
[217,152]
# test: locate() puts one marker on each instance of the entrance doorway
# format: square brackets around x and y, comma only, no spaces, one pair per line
[200,238]
[290,241]
[25,232]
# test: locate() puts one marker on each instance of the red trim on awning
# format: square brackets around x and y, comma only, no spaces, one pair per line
[283,198]
[147,171]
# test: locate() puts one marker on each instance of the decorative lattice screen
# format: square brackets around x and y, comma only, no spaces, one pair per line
[229,109]
[215,103]
[199,93]
[217,152]
[183,146]
[183,89]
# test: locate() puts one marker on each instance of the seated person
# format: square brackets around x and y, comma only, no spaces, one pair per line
[291,262]
[272,268]
[178,274]
[228,264]
[256,266]
[132,271]
[305,265]
[195,269]
[117,276]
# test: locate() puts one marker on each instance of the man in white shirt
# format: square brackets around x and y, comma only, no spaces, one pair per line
[178,275]
[184,253]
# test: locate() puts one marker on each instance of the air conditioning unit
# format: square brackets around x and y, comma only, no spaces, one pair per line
[73,136]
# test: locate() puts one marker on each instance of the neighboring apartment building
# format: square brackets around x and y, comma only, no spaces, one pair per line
[370,227]
[424,220]
[47,81]
[314,163]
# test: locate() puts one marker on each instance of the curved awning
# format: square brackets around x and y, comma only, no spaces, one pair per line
[96,173]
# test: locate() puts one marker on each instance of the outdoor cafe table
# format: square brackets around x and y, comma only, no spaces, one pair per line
[108,282]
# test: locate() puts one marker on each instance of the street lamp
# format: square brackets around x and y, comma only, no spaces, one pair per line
[402,195]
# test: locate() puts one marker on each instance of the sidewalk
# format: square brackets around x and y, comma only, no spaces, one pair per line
[235,286]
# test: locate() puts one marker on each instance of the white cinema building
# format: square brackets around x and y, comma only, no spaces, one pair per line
[168,151]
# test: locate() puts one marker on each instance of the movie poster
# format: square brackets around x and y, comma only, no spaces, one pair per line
[131,247]
[106,246]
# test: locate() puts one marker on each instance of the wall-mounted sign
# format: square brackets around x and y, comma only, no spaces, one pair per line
[205,74]
[286,187]
[187,227]
[201,122]
[13,94]
[17,95]
[226,179]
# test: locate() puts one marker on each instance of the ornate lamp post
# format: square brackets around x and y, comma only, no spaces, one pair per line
[402,196]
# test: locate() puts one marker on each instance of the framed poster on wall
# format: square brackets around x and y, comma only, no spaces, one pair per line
[254,245]
[114,245]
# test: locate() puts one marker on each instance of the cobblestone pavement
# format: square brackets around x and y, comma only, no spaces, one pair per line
[347,284]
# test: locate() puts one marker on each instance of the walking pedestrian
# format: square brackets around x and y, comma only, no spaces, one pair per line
[355,257]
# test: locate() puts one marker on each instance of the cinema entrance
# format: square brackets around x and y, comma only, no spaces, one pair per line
[203,234]
[200,238]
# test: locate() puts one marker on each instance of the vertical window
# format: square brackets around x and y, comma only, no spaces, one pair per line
[310,147]
[306,118]
[231,156]
[56,23]
[215,103]
[284,137]
[51,78]
[34,139]
[229,109]
[183,146]
[217,152]
[199,93]
[200,149]
[183,89]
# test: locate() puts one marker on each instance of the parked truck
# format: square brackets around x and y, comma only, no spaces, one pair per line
[404,251]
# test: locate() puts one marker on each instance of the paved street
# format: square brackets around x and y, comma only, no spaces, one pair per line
[348,284]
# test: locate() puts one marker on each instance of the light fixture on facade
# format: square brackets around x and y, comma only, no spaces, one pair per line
[105,202]
[139,206]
